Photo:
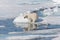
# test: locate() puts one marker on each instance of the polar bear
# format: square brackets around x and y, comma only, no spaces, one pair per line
[32,17]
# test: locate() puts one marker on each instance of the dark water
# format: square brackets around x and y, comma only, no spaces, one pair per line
[10,27]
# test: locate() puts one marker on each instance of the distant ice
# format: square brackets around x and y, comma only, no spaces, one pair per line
[12,8]
[56,1]
[47,12]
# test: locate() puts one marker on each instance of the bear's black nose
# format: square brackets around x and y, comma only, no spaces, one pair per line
[26,17]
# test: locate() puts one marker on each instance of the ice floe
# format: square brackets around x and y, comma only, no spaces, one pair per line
[2,26]
[23,37]
[20,18]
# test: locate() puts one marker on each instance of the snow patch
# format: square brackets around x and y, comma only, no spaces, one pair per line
[20,18]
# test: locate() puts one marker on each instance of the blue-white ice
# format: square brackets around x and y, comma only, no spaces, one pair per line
[14,7]
[9,9]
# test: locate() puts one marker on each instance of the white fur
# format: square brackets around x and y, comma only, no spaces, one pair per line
[33,17]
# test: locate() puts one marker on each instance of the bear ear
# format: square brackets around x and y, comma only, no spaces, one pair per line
[26,16]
